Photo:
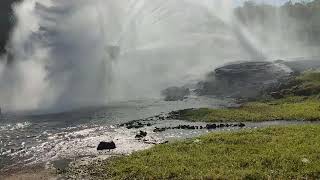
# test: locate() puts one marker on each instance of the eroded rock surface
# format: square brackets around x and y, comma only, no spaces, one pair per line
[175,93]
[244,79]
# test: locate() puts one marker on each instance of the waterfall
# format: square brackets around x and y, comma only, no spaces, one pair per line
[78,53]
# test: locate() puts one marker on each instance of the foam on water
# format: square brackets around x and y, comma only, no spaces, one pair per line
[12,127]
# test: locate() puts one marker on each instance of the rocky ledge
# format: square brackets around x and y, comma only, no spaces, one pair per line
[244,79]
[175,93]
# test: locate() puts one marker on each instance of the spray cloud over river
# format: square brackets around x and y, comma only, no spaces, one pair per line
[70,54]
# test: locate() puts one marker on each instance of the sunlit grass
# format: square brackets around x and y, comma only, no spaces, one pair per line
[273,153]
[291,152]
[292,108]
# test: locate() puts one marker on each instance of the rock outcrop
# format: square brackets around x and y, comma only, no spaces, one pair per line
[6,22]
[175,93]
[244,79]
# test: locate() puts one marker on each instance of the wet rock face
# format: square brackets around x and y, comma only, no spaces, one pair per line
[106,146]
[245,79]
[175,93]
[6,21]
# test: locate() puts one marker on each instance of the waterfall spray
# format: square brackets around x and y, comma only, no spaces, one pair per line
[76,53]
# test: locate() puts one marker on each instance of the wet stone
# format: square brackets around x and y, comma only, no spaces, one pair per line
[208,127]
[141,135]
[106,146]
[159,129]
[211,126]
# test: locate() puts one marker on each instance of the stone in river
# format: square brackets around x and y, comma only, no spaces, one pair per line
[106,146]
[175,93]
[141,134]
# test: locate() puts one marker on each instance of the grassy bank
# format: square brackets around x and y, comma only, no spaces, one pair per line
[291,108]
[291,152]
[277,152]
[300,101]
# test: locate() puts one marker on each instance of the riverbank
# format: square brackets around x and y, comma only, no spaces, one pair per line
[283,104]
[297,99]
[290,108]
[276,152]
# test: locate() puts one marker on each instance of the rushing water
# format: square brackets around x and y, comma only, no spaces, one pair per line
[26,139]
[37,139]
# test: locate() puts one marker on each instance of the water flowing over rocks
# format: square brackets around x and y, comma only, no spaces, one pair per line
[173,116]
[200,127]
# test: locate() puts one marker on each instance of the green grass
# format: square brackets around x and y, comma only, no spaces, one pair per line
[307,84]
[291,108]
[310,76]
[291,152]
[301,102]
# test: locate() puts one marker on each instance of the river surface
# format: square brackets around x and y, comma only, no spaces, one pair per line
[29,139]
[46,139]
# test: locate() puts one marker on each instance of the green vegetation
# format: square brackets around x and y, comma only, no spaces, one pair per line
[291,152]
[308,84]
[301,102]
[293,108]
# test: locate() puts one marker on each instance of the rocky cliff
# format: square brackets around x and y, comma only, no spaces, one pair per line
[6,21]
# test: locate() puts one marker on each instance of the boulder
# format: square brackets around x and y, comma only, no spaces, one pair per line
[175,93]
[211,126]
[241,125]
[244,79]
[106,146]
[276,95]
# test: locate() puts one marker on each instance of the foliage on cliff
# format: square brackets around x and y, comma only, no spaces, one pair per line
[299,100]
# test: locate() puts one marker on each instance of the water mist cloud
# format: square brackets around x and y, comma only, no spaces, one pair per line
[75,53]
